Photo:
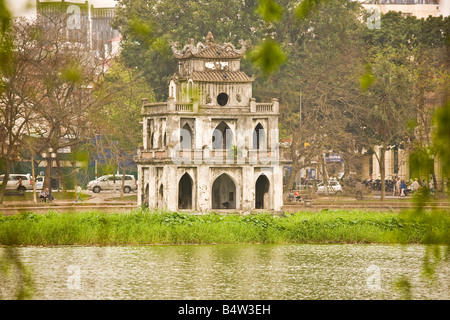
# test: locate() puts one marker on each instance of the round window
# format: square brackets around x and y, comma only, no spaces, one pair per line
[222,99]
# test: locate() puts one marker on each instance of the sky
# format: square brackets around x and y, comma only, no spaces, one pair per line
[28,7]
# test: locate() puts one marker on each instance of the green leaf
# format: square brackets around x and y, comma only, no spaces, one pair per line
[71,73]
[268,56]
[366,80]
[269,10]
[306,7]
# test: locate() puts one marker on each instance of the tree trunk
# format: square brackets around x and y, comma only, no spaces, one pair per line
[7,166]
[33,175]
[74,173]
[123,182]
[290,180]
[62,183]
[383,173]
[48,172]
[325,174]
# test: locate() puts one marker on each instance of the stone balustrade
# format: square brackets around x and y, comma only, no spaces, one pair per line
[173,107]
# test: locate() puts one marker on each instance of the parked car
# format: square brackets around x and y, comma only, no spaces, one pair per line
[332,187]
[39,182]
[110,182]
[15,184]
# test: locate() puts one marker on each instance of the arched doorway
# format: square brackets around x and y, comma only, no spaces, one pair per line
[222,137]
[262,192]
[185,192]
[224,193]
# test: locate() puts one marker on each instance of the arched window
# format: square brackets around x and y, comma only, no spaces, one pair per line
[186,137]
[259,137]
[185,192]
[160,202]
[222,137]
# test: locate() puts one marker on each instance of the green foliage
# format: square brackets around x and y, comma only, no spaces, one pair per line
[149,227]
[441,137]
[71,73]
[367,79]
[269,10]
[268,56]
[307,7]
[5,17]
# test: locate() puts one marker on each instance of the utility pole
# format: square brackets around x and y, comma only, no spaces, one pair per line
[300,137]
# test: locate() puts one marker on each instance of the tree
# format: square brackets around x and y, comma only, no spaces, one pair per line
[148,27]
[421,45]
[323,65]
[117,133]
[389,103]
[18,89]
[65,73]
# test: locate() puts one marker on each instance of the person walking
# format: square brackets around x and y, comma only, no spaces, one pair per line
[403,188]
[394,187]
[398,187]
[415,186]
[78,193]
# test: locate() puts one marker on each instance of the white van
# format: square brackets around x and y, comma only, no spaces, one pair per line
[14,182]
[110,182]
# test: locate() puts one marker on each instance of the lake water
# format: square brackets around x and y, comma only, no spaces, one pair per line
[225,272]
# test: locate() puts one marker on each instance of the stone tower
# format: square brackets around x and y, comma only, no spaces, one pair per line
[210,146]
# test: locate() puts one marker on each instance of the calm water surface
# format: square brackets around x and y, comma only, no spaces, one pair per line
[228,272]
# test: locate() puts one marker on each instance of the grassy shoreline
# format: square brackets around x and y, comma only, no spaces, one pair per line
[143,227]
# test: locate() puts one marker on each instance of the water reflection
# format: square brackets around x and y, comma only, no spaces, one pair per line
[228,272]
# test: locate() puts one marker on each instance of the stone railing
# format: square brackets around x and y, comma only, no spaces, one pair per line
[217,156]
[172,106]
[169,106]
[271,107]
[184,107]
[264,107]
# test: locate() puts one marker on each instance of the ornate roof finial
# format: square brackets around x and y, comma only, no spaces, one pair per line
[209,39]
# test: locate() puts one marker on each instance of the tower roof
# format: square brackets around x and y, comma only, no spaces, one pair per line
[210,50]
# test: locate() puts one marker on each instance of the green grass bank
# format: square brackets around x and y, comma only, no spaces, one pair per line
[141,227]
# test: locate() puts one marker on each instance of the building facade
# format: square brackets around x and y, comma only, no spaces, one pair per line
[417,8]
[83,22]
[210,146]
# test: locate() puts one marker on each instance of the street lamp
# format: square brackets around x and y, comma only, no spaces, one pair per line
[49,155]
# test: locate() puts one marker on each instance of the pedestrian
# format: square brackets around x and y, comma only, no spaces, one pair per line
[403,188]
[43,195]
[359,190]
[431,187]
[398,186]
[48,195]
[78,193]
[415,186]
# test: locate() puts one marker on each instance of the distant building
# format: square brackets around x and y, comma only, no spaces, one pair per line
[417,8]
[82,22]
